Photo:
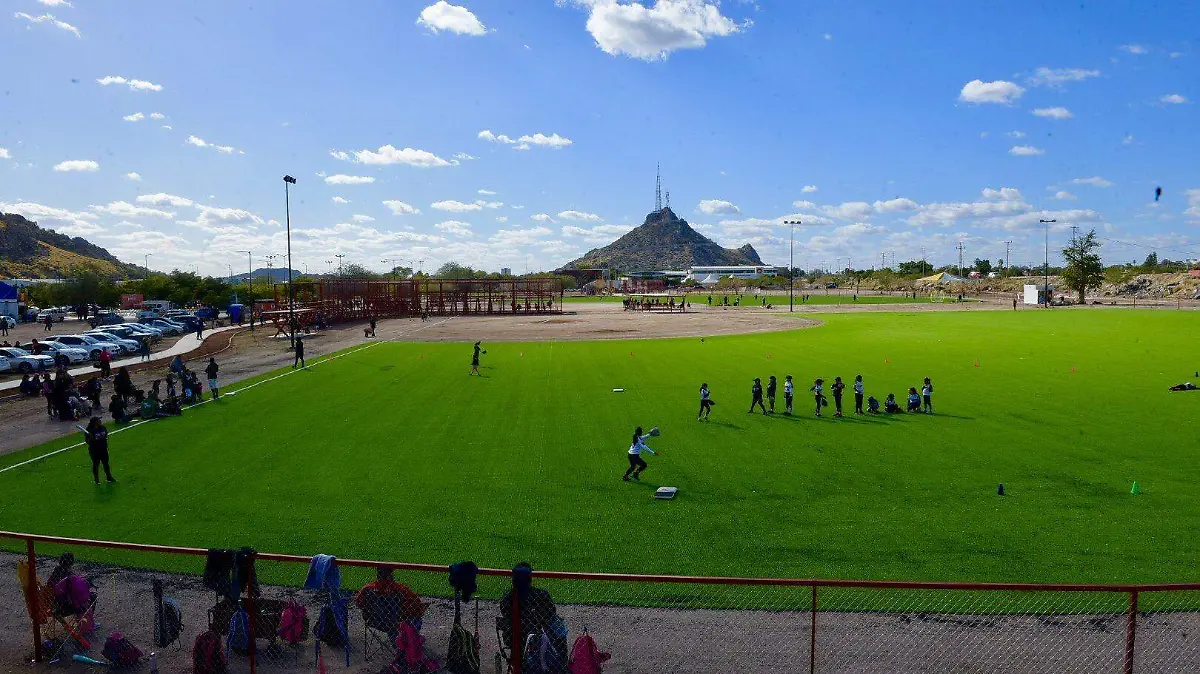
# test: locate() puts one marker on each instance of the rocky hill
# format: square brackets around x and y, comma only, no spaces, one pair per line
[664,241]
[28,251]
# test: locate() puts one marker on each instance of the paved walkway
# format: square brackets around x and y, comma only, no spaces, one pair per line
[183,346]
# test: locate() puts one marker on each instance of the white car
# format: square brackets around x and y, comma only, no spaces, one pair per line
[73,354]
[139,330]
[24,361]
[167,327]
[127,345]
[91,344]
[55,314]
[5,366]
[8,321]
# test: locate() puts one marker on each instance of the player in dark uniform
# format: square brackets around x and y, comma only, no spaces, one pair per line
[756,396]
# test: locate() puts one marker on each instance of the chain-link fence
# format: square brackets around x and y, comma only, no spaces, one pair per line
[281,613]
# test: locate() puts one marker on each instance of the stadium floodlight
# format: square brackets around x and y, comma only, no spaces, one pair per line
[287,205]
[1046,269]
[792,262]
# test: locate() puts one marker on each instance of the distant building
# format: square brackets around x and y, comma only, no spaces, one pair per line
[709,275]
[506,271]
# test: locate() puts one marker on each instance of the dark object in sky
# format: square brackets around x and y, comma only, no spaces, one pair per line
[1157,193]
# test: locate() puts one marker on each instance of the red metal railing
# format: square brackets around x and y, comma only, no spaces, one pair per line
[1131,617]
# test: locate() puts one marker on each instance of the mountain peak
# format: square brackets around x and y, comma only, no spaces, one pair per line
[664,241]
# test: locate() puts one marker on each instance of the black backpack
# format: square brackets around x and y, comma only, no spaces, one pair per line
[328,630]
[168,619]
[462,657]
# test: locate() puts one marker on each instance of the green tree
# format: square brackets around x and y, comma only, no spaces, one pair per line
[1151,262]
[1084,269]
[356,271]
[982,266]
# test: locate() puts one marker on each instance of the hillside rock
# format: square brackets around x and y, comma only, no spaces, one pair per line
[28,250]
[664,241]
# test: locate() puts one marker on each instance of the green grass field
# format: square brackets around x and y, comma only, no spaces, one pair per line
[395,452]
[774,297]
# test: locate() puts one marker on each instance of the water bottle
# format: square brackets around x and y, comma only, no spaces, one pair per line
[154,663]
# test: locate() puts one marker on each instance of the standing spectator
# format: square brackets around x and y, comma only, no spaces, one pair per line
[705,403]
[299,355]
[96,436]
[105,364]
[817,388]
[122,383]
[200,330]
[1014,304]
[145,348]
[837,388]
[756,397]
[372,326]
[771,387]
[4,327]
[211,371]
[858,394]
[48,322]
[475,359]
[789,389]
[48,392]
[927,396]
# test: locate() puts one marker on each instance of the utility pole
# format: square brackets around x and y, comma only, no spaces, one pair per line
[882,261]
[922,260]
[792,263]
[1046,268]
[288,180]
[893,260]
[250,281]
[339,256]
[960,259]
[1007,256]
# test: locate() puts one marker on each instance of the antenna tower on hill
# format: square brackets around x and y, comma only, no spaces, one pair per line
[657,188]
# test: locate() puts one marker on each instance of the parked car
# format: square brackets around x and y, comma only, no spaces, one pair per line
[168,328]
[127,345]
[189,323]
[106,318]
[24,361]
[148,314]
[5,366]
[56,314]
[8,321]
[93,345]
[831,285]
[140,329]
[72,354]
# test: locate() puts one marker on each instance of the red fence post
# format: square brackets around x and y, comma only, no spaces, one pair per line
[251,614]
[34,601]
[1131,631]
[516,629]
[812,639]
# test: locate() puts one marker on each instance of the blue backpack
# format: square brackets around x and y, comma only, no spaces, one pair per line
[238,639]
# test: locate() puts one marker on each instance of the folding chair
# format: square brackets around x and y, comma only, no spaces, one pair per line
[56,622]
[381,620]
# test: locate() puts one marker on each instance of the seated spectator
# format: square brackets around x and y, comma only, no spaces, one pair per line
[177,364]
[537,611]
[914,400]
[170,407]
[64,568]
[91,390]
[29,387]
[118,410]
[411,609]
[891,406]
[149,407]
[872,405]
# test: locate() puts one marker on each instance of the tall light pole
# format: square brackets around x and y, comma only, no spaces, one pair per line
[339,256]
[792,262]
[148,263]
[328,267]
[393,262]
[287,207]
[1046,268]
[249,280]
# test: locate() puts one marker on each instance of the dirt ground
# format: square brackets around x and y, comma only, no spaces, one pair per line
[652,639]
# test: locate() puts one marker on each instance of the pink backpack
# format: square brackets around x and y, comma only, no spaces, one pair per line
[74,593]
[586,658]
[410,645]
[291,623]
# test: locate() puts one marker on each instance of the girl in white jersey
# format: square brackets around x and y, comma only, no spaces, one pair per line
[858,394]
[927,396]
[789,388]
[636,464]
[705,403]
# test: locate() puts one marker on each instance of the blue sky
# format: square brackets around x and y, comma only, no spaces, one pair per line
[523,133]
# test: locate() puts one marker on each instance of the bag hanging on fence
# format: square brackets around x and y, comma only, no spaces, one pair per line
[292,623]
[462,578]
[120,652]
[462,657]
[586,657]
[168,619]
[208,656]
[238,639]
[328,630]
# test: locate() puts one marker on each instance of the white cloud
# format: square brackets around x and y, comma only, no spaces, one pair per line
[599,234]
[342,179]
[808,189]
[580,215]
[343,200]
[451,18]
[453,206]
[157,115]
[850,210]
[805,205]
[1002,194]
[1056,77]
[48,18]
[134,85]
[1026,151]
[56,3]
[1094,181]
[983,134]
[223,149]
[60,219]
[4,154]
[946,214]
[168,127]
[1063,195]
[486,193]
[1176,54]
[134,177]
[1000,91]
[652,33]
[358,217]
[501,218]
[1128,139]
[400,208]
[525,142]
[1193,198]
[519,237]
[541,217]
[388,154]
[85,165]
[463,156]
[895,205]
[124,209]
[455,228]
[1015,134]
[828,36]
[1173,99]
[135,117]
[1133,49]
[717,207]
[1053,113]
[858,229]
[162,199]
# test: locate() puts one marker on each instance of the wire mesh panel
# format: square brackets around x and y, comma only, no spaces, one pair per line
[1168,632]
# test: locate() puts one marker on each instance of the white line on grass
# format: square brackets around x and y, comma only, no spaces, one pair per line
[202,402]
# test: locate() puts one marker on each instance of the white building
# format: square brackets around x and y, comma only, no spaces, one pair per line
[709,275]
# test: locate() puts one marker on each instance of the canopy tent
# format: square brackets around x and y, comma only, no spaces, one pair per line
[941,277]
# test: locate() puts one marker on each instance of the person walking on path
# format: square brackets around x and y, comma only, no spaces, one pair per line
[145,348]
[96,436]
[756,397]
[105,364]
[200,330]
[858,394]
[1014,304]
[771,393]
[211,371]
[48,324]
[789,389]
[837,388]
[636,463]
[299,354]
[817,388]
[372,326]
[3,326]
[927,397]
[475,359]
[705,403]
